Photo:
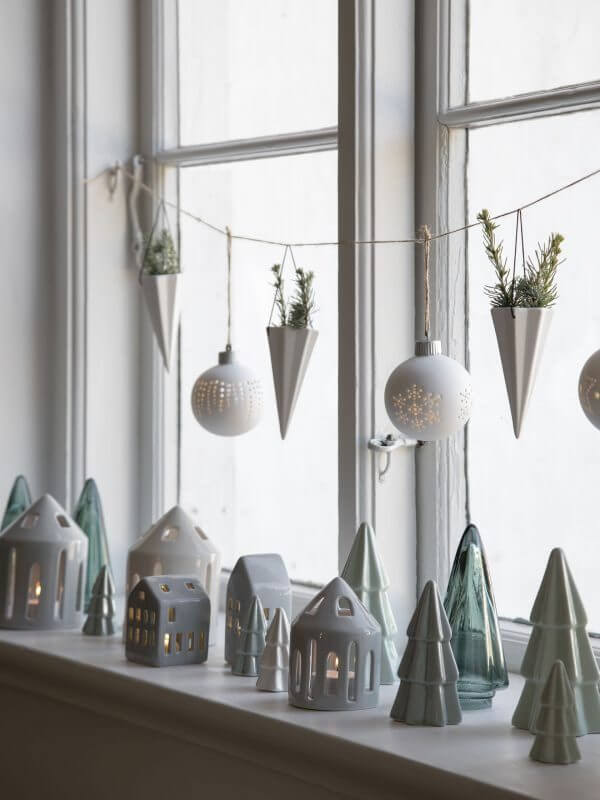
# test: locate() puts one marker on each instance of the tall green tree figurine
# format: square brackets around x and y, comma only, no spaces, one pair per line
[251,642]
[365,573]
[90,518]
[19,501]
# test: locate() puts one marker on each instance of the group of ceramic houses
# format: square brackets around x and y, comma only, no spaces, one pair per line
[55,568]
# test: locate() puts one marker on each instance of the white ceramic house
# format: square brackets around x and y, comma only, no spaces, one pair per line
[175,545]
[43,557]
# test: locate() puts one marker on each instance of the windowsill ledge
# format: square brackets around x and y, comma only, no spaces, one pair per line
[357,754]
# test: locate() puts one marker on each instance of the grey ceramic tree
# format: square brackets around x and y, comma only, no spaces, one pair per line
[427,694]
[101,612]
[19,501]
[559,621]
[275,659]
[471,611]
[89,516]
[251,642]
[365,573]
[555,724]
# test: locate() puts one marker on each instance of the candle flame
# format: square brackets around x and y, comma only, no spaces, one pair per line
[38,588]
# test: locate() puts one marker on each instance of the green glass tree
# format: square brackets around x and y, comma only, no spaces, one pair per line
[471,612]
[365,573]
[88,515]
[18,501]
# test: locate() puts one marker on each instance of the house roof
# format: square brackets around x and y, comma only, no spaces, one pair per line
[268,569]
[337,607]
[179,588]
[175,533]
[44,521]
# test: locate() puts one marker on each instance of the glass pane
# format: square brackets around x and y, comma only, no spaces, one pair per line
[255,492]
[256,67]
[538,492]
[517,47]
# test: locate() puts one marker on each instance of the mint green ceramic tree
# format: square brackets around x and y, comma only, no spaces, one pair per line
[471,611]
[90,518]
[365,573]
[18,501]
[555,725]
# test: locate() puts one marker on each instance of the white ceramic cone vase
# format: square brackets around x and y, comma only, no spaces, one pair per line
[162,295]
[291,349]
[521,334]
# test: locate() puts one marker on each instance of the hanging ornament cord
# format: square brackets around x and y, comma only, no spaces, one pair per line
[278,291]
[518,228]
[161,208]
[425,240]
[229,243]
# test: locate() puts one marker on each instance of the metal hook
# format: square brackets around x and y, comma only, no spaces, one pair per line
[113,178]
[138,237]
[384,447]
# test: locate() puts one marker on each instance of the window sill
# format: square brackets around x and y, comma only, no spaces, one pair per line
[361,754]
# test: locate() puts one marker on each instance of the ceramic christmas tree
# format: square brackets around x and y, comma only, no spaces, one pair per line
[365,573]
[559,621]
[555,724]
[19,501]
[252,641]
[471,611]
[427,694]
[88,515]
[274,662]
[101,612]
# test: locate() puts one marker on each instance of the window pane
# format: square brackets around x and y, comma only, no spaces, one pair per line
[255,493]
[517,47]
[256,67]
[538,492]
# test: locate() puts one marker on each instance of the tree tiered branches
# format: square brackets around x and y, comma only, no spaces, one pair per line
[555,724]
[252,641]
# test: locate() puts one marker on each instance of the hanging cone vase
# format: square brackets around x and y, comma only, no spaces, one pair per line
[162,296]
[521,334]
[291,349]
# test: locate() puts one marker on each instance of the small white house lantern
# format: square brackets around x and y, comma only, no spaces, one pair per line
[43,557]
[335,653]
[175,545]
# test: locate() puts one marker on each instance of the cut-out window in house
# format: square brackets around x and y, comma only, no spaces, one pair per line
[230,603]
[208,576]
[352,676]
[144,637]
[137,636]
[157,568]
[164,587]
[130,632]
[153,618]
[190,641]
[152,638]
[370,671]
[169,535]
[344,607]
[178,642]
[60,585]
[172,614]
[10,583]
[297,673]
[167,643]
[145,616]
[201,640]
[79,596]
[332,673]
[141,595]
[229,621]
[131,613]
[238,606]
[201,533]
[312,668]
[30,520]
[63,521]
[316,605]
[190,586]
[138,615]
[34,592]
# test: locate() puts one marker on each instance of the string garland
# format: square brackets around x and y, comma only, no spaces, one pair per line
[111,171]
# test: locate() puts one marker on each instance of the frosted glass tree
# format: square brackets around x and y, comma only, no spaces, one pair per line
[275,660]
[101,612]
[251,641]
[555,724]
[471,611]
[559,621]
[365,573]
[427,693]
[19,501]
[89,516]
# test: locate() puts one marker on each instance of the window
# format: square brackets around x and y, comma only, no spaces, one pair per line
[60,584]
[494,151]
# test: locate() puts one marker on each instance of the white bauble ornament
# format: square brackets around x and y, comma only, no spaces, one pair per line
[428,397]
[589,389]
[227,399]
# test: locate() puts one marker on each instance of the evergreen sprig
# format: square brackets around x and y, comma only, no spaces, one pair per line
[160,254]
[537,287]
[299,313]
[279,295]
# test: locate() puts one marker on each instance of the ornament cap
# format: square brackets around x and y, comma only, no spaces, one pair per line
[227,356]
[428,347]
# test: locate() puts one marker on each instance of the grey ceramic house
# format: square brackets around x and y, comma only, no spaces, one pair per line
[168,619]
[43,557]
[262,575]
[335,653]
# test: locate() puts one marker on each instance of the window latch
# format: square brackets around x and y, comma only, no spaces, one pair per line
[384,446]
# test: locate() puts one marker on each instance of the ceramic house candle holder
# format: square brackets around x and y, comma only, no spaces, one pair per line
[335,653]
[175,545]
[43,556]
[168,621]
[261,575]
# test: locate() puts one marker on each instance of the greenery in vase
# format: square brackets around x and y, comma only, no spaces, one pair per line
[160,255]
[298,313]
[536,288]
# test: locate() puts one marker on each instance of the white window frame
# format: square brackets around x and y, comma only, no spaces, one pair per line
[442,116]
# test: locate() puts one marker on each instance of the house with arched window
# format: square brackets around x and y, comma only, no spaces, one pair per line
[335,653]
[43,557]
